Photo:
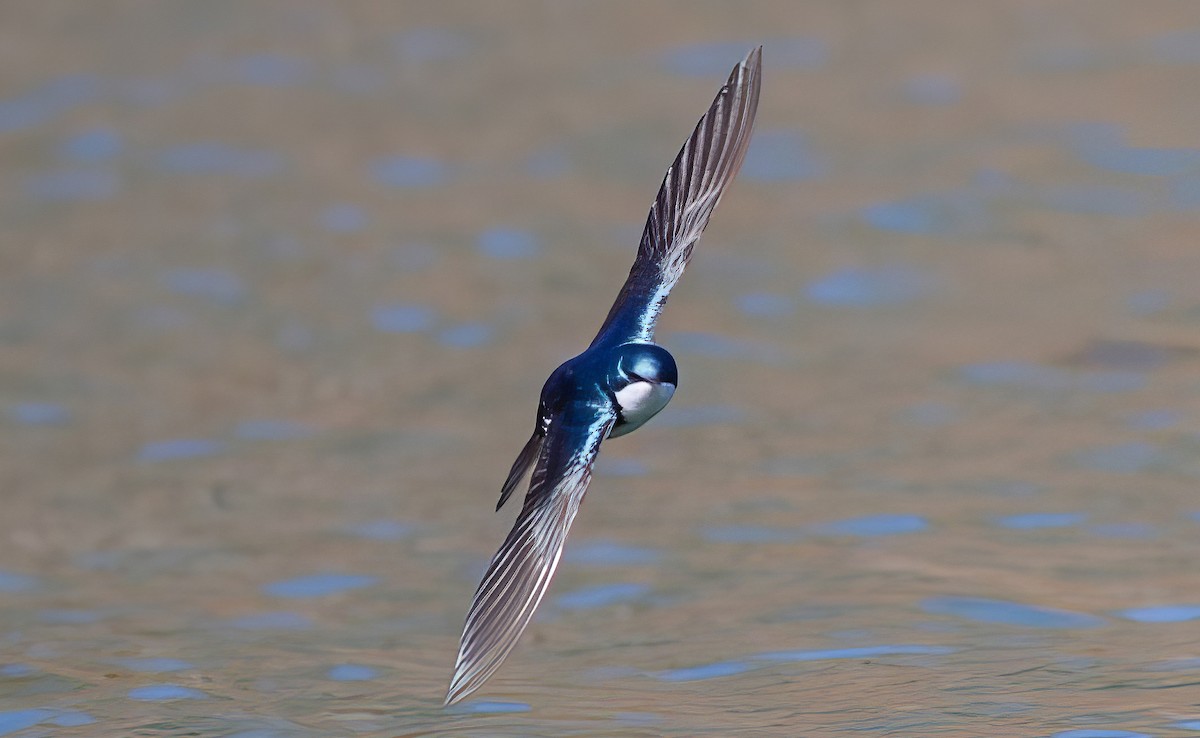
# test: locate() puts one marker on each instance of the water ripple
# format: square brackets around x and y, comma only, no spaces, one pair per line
[875,525]
[211,157]
[12,721]
[984,610]
[403,318]
[601,595]
[407,172]
[1033,521]
[38,413]
[610,553]
[1162,613]
[165,693]
[707,671]
[351,673]
[155,665]
[781,156]
[870,287]
[177,449]
[508,244]
[73,185]
[859,652]
[318,585]
[275,620]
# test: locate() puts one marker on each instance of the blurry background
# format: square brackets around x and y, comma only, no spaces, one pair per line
[280,282]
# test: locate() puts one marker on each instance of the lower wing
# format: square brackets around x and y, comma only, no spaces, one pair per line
[521,570]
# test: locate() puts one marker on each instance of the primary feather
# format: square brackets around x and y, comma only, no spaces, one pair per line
[690,191]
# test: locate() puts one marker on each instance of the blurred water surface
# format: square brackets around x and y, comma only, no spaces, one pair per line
[281,281]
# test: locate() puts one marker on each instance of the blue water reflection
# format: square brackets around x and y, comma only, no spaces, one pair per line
[875,525]
[270,70]
[12,721]
[165,693]
[64,616]
[268,429]
[614,467]
[492,706]
[858,652]
[1102,145]
[274,620]
[707,671]
[766,305]
[466,335]
[943,214]
[1162,613]
[687,416]
[1003,612]
[1150,301]
[47,101]
[318,585]
[408,171]
[932,89]
[177,449]
[930,414]
[13,582]
[1085,199]
[155,665]
[424,45]
[1155,419]
[781,156]
[214,158]
[351,673]
[870,287]
[699,343]
[72,185]
[218,286]
[1041,377]
[1097,733]
[344,218]
[610,553]
[403,318]
[38,413]
[601,595]
[508,244]
[731,668]
[383,530]
[1034,521]
[1121,458]
[749,534]
[1116,531]
[551,161]
[17,670]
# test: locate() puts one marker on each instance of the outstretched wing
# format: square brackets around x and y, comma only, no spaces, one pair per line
[691,190]
[521,570]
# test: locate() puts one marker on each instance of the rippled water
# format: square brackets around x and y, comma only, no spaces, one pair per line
[281,284]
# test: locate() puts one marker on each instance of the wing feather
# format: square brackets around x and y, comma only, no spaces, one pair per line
[690,191]
[520,572]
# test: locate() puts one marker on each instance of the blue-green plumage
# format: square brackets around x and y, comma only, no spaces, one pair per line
[612,388]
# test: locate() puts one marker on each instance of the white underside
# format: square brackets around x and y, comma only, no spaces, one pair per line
[639,402]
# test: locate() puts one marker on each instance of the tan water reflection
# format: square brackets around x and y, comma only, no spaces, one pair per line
[281,281]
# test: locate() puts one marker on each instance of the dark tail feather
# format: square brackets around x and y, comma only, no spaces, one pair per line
[524,460]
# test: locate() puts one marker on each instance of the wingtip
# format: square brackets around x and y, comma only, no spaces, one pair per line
[753,59]
[458,689]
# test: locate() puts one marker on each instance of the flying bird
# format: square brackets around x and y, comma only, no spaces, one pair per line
[612,388]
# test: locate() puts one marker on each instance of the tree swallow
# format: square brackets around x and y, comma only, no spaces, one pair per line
[622,380]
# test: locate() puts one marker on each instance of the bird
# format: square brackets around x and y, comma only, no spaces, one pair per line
[617,384]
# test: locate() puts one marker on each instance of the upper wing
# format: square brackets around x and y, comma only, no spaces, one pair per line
[521,570]
[705,166]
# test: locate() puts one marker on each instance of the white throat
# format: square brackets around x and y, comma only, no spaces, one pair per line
[640,401]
